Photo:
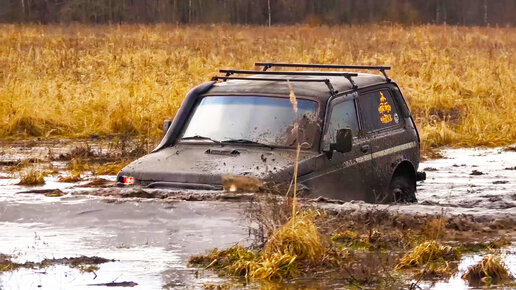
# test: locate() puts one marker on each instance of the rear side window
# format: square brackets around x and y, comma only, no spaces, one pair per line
[378,110]
[342,115]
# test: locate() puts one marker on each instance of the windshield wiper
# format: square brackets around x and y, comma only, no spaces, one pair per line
[245,141]
[198,137]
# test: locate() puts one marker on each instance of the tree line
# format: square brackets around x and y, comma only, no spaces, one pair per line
[261,12]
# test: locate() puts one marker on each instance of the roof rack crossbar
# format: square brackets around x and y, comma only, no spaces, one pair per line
[326,81]
[229,72]
[313,65]
[381,68]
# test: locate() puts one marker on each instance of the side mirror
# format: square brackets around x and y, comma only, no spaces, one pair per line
[344,141]
[166,125]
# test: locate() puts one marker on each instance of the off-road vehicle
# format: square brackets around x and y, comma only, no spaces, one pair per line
[357,137]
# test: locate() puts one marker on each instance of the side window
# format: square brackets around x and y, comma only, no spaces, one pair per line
[378,110]
[342,115]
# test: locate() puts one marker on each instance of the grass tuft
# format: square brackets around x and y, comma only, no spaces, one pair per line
[296,241]
[7,265]
[71,178]
[55,193]
[298,237]
[78,166]
[111,168]
[429,251]
[32,177]
[489,271]
[275,266]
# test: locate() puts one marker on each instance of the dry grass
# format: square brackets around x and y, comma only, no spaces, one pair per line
[360,248]
[427,252]
[32,176]
[298,241]
[6,264]
[71,178]
[111,168]
[489,270]
[81,80]
[55,193]
[431,259]
[298,237]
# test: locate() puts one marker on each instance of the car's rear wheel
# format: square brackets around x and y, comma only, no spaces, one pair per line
[403,189]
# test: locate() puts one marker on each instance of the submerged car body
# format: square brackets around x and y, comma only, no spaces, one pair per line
[358,140]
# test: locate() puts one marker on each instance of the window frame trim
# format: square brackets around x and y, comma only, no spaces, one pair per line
[350,96]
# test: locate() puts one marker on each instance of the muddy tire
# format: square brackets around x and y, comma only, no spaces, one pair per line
[403,189]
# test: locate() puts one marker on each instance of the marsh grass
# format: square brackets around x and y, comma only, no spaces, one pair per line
[295,243]
[7,265]
[111,168]
[55,193]
[489,271]
[431,259]
[375,248]
[32,176]
[298,237]
[74,177]
[78,166]
[79,80]
[83,263]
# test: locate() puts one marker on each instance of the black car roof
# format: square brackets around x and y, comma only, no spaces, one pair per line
[316,89]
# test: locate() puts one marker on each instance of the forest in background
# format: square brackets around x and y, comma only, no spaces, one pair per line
[262,12]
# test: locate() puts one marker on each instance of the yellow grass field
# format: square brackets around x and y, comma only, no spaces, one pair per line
[74,81]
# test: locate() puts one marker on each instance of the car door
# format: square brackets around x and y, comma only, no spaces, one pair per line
[384,128]
[341,175]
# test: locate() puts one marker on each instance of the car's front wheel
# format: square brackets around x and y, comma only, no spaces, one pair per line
[403,189]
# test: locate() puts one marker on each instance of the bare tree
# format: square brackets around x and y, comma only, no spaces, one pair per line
[485,12]
[459,12]
[269,12]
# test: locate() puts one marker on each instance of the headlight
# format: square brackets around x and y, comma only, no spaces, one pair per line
[128,179]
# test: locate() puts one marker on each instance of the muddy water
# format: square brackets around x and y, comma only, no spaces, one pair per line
[479,180]
[480,183]
[151,240]
[477,184]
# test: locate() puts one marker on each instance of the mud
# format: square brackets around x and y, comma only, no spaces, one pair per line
[151,233]
[74,262]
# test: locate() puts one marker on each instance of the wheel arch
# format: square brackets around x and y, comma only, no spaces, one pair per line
[405,167]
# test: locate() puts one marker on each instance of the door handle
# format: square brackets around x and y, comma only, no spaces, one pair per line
[364,148]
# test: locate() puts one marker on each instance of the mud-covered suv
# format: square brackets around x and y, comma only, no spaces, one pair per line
[358,139]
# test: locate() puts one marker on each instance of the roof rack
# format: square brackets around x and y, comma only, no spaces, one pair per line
[381,68]
[326,81]
[348,76]
[267,65]
[230,72]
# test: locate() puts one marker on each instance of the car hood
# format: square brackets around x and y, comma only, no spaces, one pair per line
[206,164]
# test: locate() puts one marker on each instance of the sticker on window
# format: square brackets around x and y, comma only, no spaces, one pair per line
[385,110]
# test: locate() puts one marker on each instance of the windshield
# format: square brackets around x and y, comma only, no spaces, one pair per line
[248,119]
